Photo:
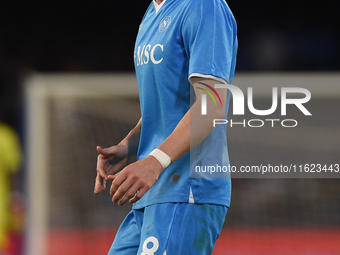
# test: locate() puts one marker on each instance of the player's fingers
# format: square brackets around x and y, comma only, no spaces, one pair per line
[138,195]
[100,168]
[116,183]
[129,194]
[98,184]
[124,187]
[130,179]
[112,177]
[117,166]
[107,151]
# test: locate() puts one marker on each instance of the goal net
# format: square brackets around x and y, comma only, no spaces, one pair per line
[68,115]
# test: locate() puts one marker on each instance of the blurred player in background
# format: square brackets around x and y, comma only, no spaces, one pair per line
[183,48]
[10,156]
[11,202]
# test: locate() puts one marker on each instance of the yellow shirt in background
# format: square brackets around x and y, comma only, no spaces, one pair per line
[10,157]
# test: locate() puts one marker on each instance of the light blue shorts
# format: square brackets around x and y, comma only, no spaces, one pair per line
[170,229]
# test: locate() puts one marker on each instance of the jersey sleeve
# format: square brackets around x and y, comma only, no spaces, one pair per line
[210,41]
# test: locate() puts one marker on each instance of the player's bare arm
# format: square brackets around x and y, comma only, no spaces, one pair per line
[195,127]
[143,174]
[111,159]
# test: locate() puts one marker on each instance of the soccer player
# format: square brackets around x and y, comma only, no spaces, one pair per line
[183,48]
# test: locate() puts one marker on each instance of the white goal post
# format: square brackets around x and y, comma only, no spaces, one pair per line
[38,89]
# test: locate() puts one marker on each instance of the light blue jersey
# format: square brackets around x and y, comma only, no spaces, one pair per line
[183,38]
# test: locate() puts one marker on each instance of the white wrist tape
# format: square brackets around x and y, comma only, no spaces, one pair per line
[162,157]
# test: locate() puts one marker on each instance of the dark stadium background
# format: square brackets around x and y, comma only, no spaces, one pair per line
[87,36]
[99,36]
[274,36]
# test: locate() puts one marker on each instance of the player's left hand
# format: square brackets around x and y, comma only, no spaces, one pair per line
[139,176]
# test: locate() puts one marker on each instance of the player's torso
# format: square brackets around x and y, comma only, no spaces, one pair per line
[161,56]
[162,68]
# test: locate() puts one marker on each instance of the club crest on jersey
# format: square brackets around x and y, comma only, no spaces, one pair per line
[164,24]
